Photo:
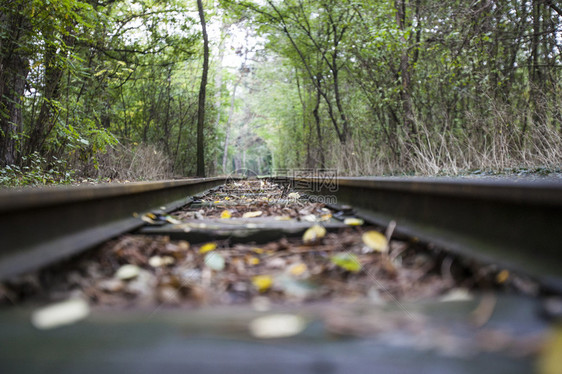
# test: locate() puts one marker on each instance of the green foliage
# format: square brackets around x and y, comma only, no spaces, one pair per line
[37,171]
[365,86]
[424,87]
[93,76]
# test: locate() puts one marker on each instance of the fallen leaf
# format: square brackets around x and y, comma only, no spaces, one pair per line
[277,326]
[456,294]
[353,221]
[172,220]
[226,214]
[143,286]
[375,241]
[110,285]
[297,269]
[550,359]
[127,272]
[215,261]
[347,261]
[169,295]
[325,217]
[207,247]
[261,303]
[294,195]
[183,245]
[60,314]
[297,288]
[314,234]
[149,218]
[253,260]
[252,214]
[157,261]
[308,218]
[502,276]
[262,282]
[276,263]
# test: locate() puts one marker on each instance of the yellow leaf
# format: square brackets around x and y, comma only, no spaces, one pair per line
[257,250]
[375,241]
[252,214]
[226,214]
[298,269]
[217,202]
[325,217]
[149,218]
[253,261]
[550,359]
[353,221]
[502,276]
[313,234]
[262,282]
[208,247]
[227,198]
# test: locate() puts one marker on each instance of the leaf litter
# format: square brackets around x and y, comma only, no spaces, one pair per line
[357,262]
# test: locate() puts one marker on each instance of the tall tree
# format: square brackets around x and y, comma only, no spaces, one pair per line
[14,66]
[202,95]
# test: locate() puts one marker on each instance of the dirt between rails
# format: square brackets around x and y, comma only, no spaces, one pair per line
[146,271]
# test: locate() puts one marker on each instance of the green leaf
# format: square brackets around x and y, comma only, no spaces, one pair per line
[347,261]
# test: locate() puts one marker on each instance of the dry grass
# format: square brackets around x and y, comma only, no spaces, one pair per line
[144,162]
[490,143]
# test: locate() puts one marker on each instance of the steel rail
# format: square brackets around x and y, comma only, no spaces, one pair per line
[41,226]
[515,224]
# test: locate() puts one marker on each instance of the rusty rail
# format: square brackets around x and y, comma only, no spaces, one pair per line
[41,226]
[515,224]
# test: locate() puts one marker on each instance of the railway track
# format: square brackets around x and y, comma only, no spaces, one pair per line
[484,255]
[40,226]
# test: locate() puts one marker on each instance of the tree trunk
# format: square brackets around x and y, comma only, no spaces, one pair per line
[316,114]
[405,92]
[13,73]
[218,87]
[202,94]
[230,112]
[51,93]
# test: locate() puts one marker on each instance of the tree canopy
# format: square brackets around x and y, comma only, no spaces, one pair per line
[367,87]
